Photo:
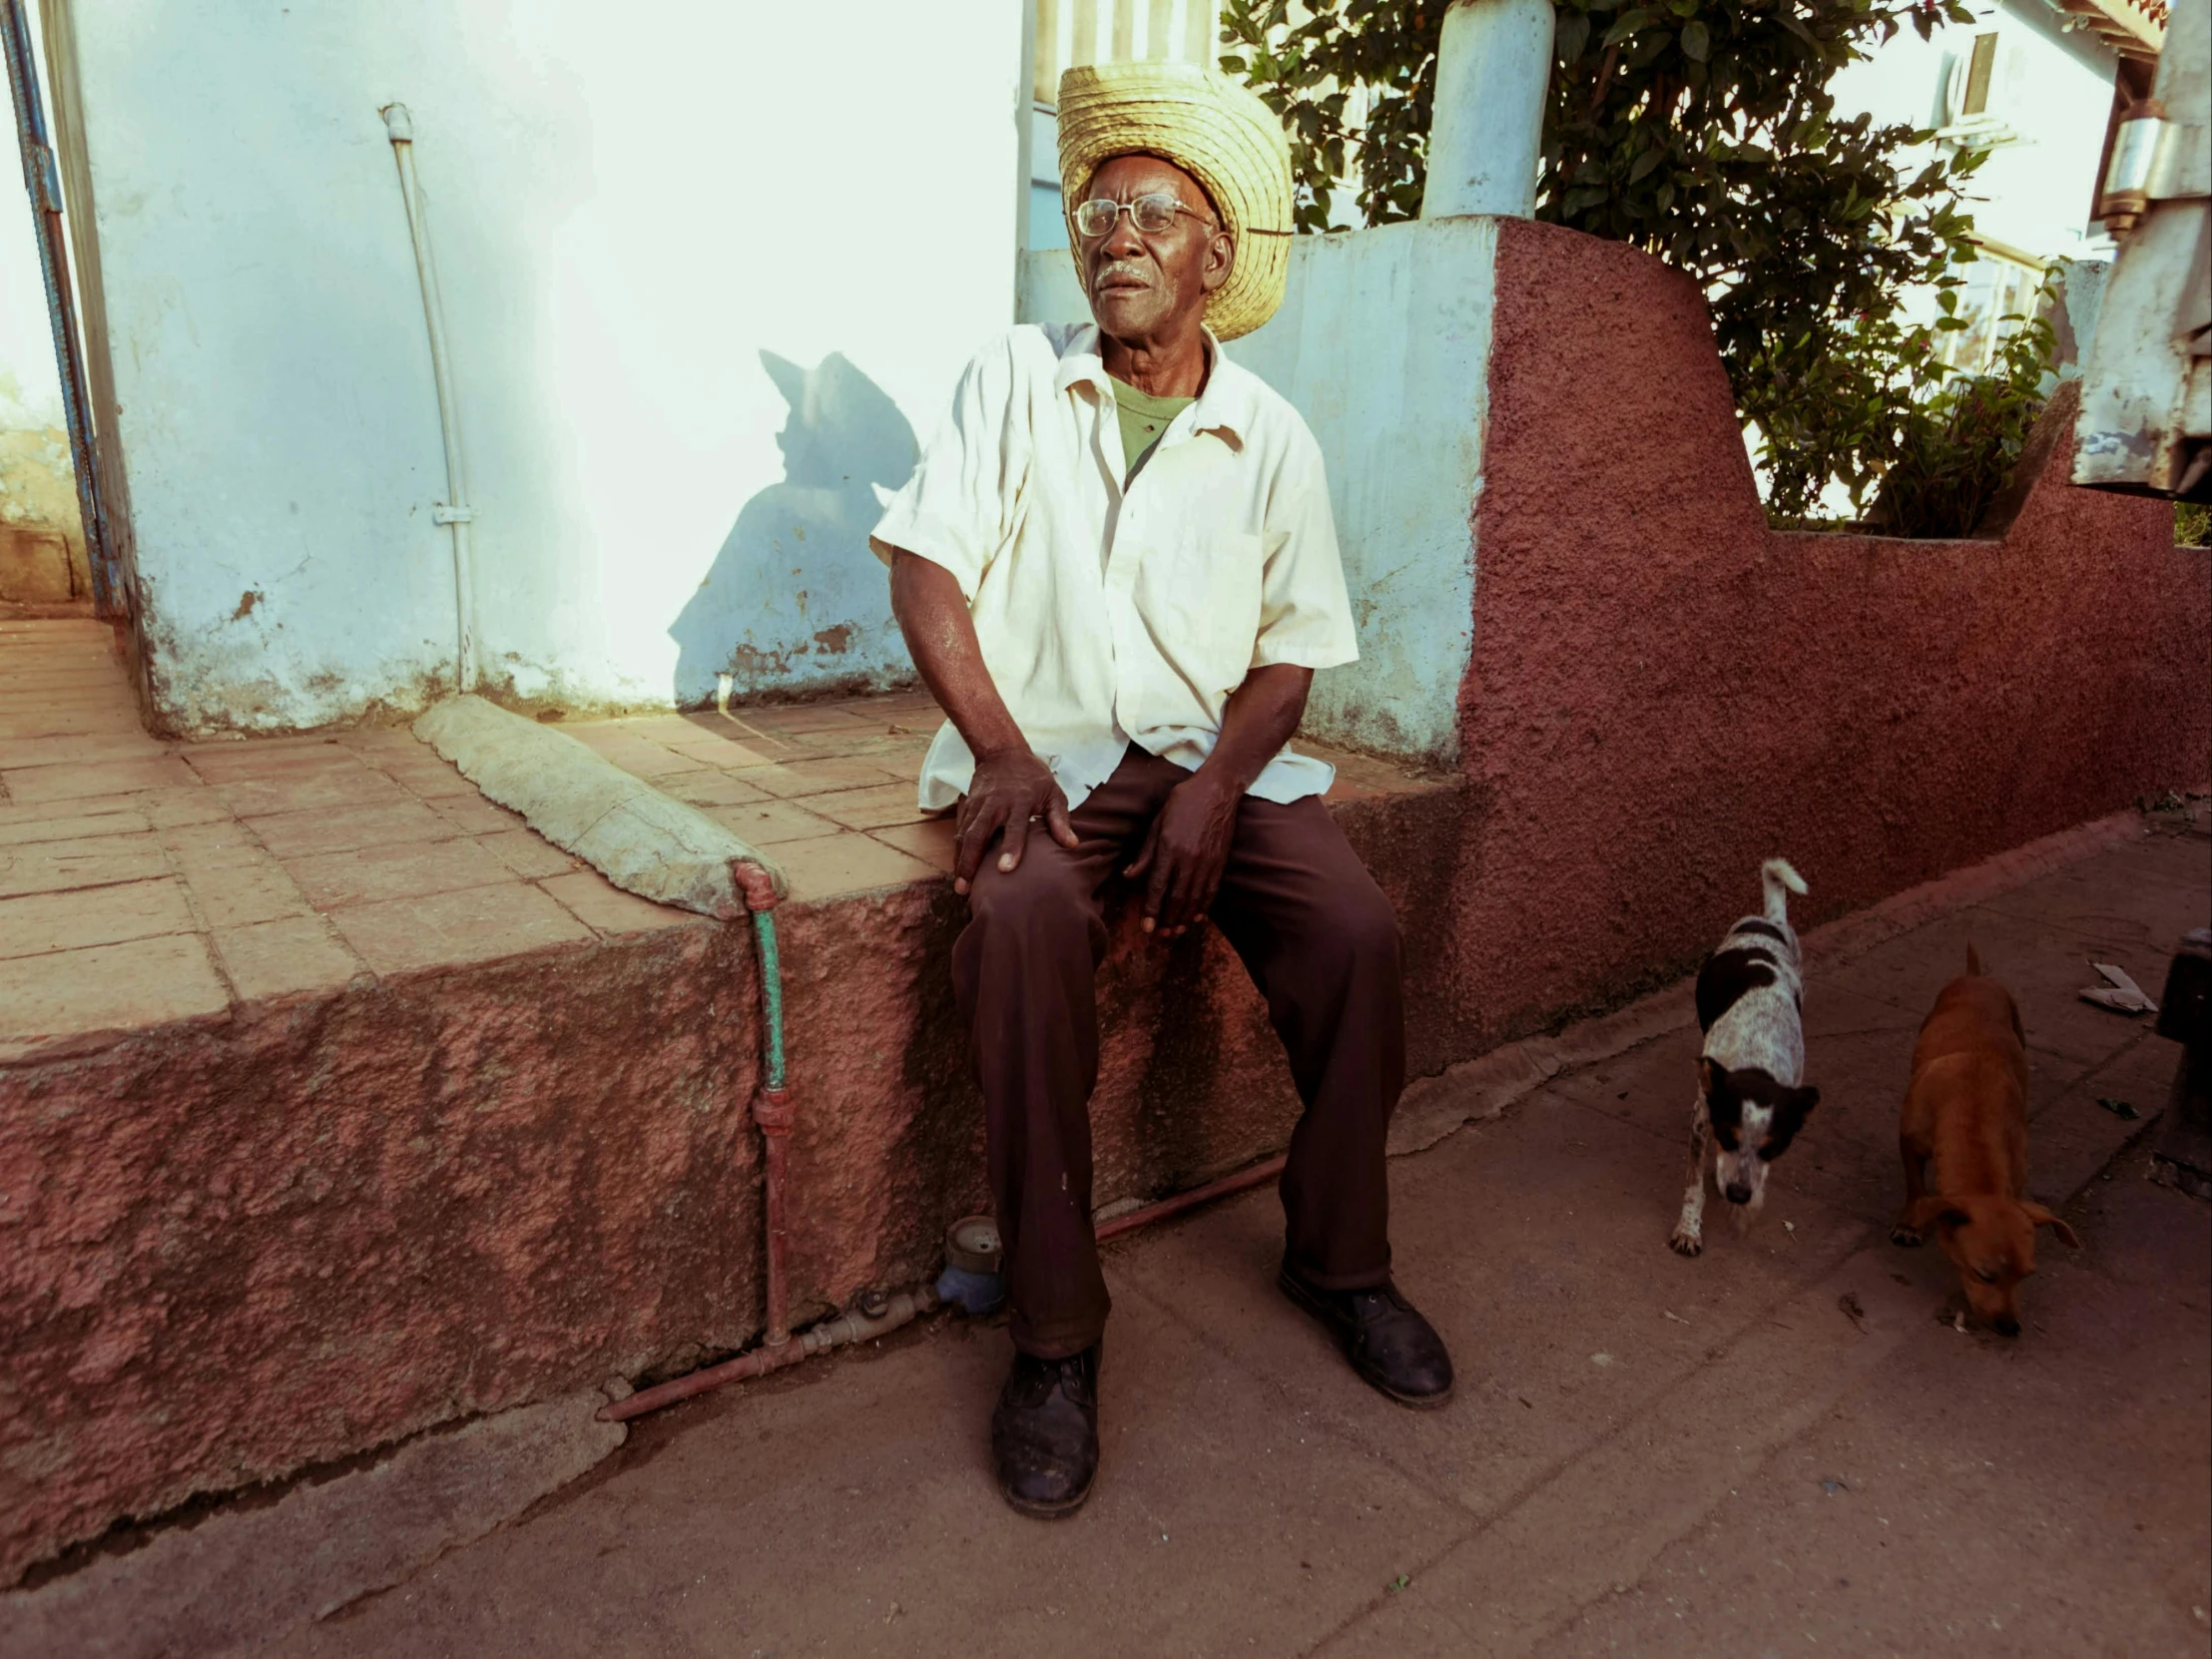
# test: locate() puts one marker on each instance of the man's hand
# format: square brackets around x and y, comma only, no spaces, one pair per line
[1184,852]
[1187,848]
[1011,790]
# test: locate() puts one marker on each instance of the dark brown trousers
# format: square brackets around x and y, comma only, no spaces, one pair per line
[1319,939]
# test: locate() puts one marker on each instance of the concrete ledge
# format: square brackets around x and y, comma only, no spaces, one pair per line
[241,1578]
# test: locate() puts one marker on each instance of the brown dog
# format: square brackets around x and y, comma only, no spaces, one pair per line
[1964,1141]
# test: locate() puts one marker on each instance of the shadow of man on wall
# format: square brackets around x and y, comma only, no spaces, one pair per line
[794,601]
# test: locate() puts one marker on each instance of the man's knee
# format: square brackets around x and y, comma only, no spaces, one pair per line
[1358,924]
[1039,900]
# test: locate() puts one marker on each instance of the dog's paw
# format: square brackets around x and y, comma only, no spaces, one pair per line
[1683,1242]
[1909,1237]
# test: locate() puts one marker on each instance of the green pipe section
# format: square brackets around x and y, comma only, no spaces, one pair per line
[771,996]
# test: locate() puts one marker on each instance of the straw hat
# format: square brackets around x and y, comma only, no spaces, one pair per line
[1218,132]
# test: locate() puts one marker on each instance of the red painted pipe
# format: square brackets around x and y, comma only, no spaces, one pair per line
[1259,1175]
[772,1111]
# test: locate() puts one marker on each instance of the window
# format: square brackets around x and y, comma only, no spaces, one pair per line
[1974,95]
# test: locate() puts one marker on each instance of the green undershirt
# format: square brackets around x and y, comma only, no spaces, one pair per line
[1143,418]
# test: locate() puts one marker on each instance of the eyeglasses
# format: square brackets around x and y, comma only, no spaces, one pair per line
[1154,213]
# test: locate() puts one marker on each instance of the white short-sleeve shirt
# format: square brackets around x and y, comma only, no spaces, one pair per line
[1109,616]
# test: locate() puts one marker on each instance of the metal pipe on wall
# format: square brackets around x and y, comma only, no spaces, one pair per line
[43,179]
[454,511]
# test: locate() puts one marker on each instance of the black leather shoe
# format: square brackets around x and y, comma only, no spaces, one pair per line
[1044,1434]
[1391,1346]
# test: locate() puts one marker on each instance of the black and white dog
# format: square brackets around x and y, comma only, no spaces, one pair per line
[1751,1099]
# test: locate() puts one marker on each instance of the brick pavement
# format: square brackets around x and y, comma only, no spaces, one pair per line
[143,882]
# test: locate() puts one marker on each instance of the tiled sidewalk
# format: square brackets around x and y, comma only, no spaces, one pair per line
[143,882]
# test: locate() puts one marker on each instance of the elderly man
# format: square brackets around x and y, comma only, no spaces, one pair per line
[1116,568]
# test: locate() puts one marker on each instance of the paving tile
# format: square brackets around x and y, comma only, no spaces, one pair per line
[79,751]
[826,865]
[635,755]
[2133,901]
[372,873]
[65,783]
[344,829]
[73,828]
[227,845]
[384,740]
[870,808]
[48,867]
[2043,965]
[474,816]
[666,729]
[930,841]
[169,808]
[236,895]
[712,789]
[606,908]
[769,821]
[272,758]
[106,988]
[37,923]
[308,789]
[1511,1238]
[716,751]
[796,779]
[470,924]
[528,853]
[47,722]
[424,775]
[277,959]
[804,717]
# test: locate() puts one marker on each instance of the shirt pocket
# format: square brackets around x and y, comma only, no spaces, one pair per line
[1200,595]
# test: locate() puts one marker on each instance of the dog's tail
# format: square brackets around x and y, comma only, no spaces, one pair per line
[1779,880]
[1974,961]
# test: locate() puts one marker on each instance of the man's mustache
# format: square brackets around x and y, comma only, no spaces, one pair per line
[1134,270]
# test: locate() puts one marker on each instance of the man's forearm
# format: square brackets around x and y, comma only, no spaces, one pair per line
[1261,716]
[940,634]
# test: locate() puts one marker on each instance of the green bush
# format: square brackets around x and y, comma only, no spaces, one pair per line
[1920,448]
[2192,524]
[1702,131]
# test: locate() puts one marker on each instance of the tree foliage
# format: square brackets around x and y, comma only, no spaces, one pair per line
[1923,447]
[1699,130]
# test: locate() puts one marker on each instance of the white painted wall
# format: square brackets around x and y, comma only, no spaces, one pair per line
[1382,344]
[708,264]
[30,386]
[2052,88]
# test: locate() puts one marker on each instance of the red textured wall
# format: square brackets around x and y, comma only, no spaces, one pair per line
[1663,691]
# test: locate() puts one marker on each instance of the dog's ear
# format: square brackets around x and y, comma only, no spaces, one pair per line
[1805,1099]
[1711,1078]
[2042,1217]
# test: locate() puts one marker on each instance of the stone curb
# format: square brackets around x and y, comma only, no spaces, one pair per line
[240,1579]
[1481,1089]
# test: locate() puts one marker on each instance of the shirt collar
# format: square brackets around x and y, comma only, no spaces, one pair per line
[1227,404]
